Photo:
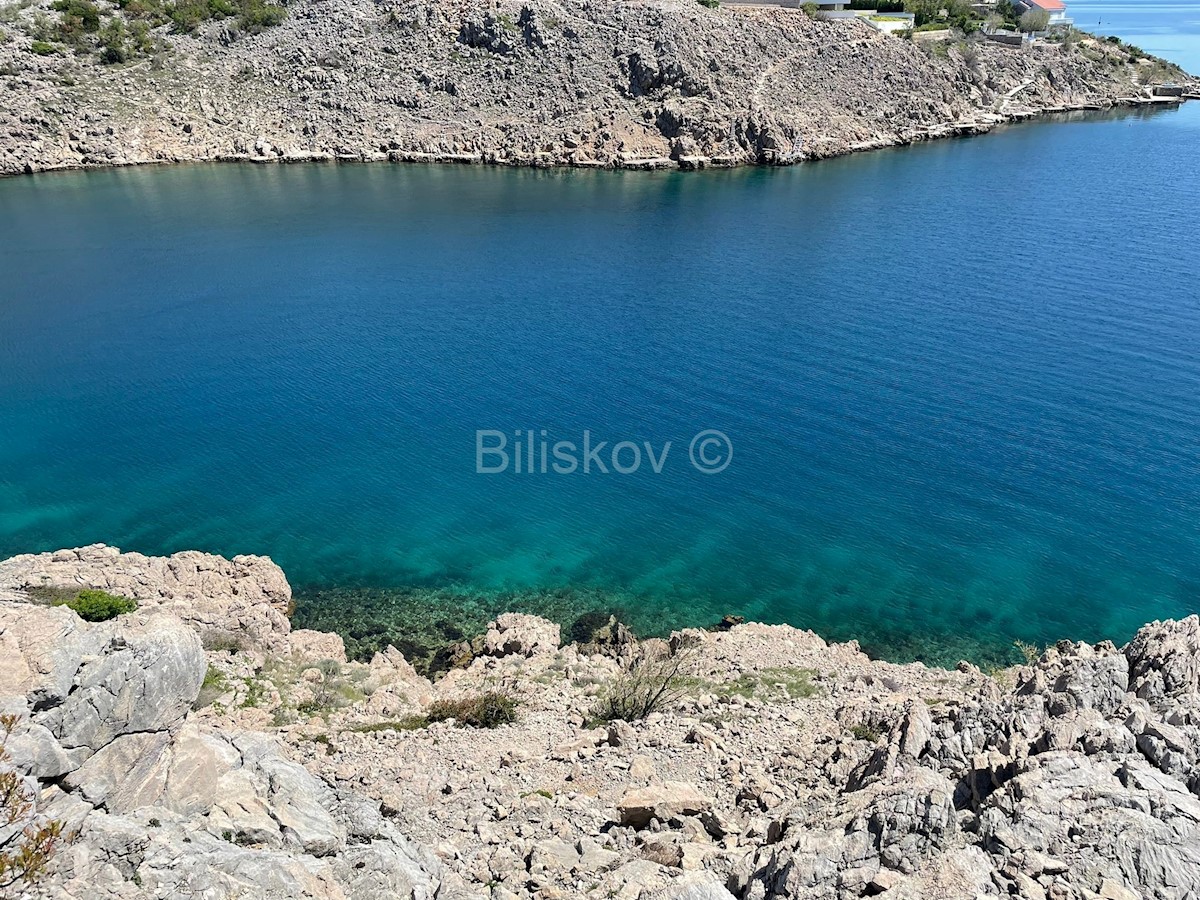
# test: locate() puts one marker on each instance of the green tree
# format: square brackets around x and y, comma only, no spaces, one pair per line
[1006,10]
[924,11]
[114,43]
[1034,20]
[79,18]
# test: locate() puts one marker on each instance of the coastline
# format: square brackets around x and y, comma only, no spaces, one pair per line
[948,131]
[200,743]
[667,85]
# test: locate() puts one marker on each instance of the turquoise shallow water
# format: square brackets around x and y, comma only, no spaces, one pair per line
[960,380]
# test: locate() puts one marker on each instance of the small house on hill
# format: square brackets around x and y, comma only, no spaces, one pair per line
[1056,9]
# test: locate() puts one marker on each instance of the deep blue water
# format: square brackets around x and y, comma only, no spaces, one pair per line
[1168,29]
[961,380]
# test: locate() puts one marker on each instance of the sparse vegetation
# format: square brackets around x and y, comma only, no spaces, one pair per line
[254,694]
[98,606]
[1030,652]
[84,27]
[772,684]
[330,692]
[27,842]
[218,640]
[811,9]
[650,685]
[865,733]
[487,710]
[213,686]
[409,723]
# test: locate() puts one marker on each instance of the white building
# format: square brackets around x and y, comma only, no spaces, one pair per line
[1056,9]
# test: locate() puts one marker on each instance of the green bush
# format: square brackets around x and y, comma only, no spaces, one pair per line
[114,42]
[98,606]
[711,4]
[483,711]
[85,12]
[257,16]
[42,48]
[865,733]
[252,16]
[29,841]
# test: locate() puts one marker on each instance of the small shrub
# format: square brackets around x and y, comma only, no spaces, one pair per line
[325,741]
[487,710]
[99,606]
[811,9]
[213,686]
[648,686]
[257,16]
[410,723]
[254,694]
[774,683]
[218,640]
[711,4]
[1030,652]
[865,733]
[42,48]
[114,41]
[27,842]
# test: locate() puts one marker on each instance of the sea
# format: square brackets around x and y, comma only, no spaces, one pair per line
[937,399]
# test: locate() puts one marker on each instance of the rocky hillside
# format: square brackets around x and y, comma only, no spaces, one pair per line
[545,82]
[201,756]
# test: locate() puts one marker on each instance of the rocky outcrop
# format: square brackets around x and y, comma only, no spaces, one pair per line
[165,806]
[612,83]
[522,634]
[785,767]
[246,598]
[85,686]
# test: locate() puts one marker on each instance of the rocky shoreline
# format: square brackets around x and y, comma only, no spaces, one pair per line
[200,747]
[583,83]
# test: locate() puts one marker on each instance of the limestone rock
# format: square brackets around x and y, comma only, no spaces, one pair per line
[317,645]
[516,633]
[245,596]
[695,886]
[662,802]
